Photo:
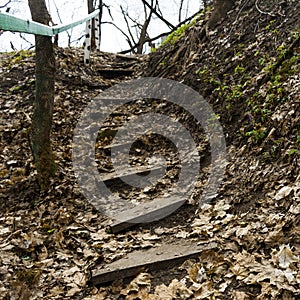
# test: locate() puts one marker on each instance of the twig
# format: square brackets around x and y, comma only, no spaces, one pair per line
[124,33]
[9,1]
[263,12]
[23,37]
[127,24]
[180,10]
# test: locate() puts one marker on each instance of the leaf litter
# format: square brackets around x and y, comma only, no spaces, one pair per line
[50,241]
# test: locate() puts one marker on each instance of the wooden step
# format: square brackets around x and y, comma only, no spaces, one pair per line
[159,258]
[114,73]
[146,212]
[116,146]
[129,57]
[125,174]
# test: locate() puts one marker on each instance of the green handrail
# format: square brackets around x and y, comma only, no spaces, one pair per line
[12,23]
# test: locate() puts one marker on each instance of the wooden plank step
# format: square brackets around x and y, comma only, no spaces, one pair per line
[129,57]
[113,73]
[115,146]
[158,258]
[139,170]
[146,213]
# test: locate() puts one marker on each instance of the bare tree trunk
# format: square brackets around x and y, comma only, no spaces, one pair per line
[101,5]
[44,98]
[91,8]
[142,35]
[144,28]
[221,8]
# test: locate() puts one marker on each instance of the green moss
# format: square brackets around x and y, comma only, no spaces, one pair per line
[51,231]
[15,89]
[204,74]
[174,37]
[16,57]
[239,86]
[163,63]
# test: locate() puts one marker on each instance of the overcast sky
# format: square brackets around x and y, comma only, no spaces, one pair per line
[112,39]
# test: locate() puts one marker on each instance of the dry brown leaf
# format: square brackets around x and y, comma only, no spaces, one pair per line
[163,292]
[240,296]
[285,257]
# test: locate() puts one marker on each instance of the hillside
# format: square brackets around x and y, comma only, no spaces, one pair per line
[248,69]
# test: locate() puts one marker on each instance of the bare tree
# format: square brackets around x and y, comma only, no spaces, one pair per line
[44,97]
[91,8]
[154,10]
[137,40]
[141,29]
[144,27]
[130,37]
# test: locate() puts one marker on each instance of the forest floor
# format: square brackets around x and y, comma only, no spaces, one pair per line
[248,70]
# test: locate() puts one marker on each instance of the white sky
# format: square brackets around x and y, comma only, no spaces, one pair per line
[112,39]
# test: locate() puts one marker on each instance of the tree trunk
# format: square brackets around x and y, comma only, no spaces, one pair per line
[221,8]
[143,34]
[44,98]
[91,8]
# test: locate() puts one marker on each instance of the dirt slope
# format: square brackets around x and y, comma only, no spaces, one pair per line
[248,70]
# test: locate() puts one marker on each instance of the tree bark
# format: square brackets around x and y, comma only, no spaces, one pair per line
[44,98]
[91,8]
[221,8]
[144,28]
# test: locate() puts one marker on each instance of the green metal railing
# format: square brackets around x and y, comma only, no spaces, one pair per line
[12,23]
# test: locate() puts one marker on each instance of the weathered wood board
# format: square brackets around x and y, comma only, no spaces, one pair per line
[138,170]
[146,213]
[129,57]
[113,73]
[158,258]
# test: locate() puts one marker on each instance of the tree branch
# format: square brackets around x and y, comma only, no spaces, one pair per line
[180,10]
[9,1]
[161,34]
[30,43]
[124,33]
[128,27]
[261,11]
[153,10]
